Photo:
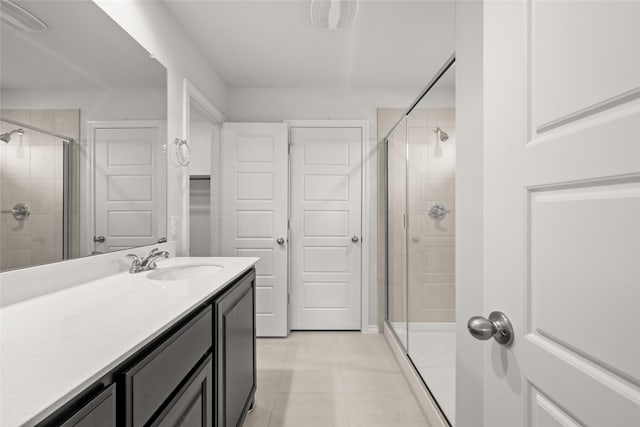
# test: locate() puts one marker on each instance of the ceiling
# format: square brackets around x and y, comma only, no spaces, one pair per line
[271,44]
[82,49]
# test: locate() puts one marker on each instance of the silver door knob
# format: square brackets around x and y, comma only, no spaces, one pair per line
[355,239]
[438,211]
[280,241]
[497,326]
[99,239]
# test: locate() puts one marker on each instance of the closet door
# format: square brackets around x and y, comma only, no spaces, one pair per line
[326,232]
[254,216]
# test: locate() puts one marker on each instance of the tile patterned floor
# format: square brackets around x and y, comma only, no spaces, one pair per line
[331,379]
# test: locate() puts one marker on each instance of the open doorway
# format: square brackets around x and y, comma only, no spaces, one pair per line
[202,123]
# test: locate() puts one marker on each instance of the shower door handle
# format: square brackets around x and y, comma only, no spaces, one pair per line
[497,326]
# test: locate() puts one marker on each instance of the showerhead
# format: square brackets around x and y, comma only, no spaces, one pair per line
[6,136]
[442,135]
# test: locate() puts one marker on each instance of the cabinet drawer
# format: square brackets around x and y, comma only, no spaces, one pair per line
[150,382]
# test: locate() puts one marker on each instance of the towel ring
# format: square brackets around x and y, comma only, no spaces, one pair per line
[183,151]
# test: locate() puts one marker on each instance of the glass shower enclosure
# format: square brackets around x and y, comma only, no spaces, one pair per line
[420,234]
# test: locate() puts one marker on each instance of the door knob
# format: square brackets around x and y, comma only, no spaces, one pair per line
[355,239]
[438,211]
[99,239]
[280,241]
[497,326]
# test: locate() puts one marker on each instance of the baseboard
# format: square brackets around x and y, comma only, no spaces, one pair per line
[372,329]
[429,407]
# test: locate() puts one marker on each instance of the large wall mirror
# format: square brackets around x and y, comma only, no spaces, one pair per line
[83,110]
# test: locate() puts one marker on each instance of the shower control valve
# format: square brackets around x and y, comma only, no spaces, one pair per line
[438,211]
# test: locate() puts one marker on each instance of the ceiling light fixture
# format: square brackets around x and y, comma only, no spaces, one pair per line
[333,14]
[20,18]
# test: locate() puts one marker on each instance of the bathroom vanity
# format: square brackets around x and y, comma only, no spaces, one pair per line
[174,345]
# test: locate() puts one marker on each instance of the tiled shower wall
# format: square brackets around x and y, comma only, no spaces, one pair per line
[31,172]
[430,244]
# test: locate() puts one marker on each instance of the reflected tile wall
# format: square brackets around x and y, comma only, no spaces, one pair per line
[31,172]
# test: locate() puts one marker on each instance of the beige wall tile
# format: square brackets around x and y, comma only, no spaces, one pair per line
[43,197]
[15,258]
[43,165]
[439,296]
[44,231]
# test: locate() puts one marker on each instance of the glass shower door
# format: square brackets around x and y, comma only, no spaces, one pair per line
[396,158]
[431,250]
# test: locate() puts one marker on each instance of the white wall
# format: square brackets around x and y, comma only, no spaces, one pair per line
[201,140]
[151,24]
[277,104]
[122,104]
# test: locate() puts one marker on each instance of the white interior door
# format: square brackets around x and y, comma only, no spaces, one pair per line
[129,194]
[254,216]
[562,212]
[326,194]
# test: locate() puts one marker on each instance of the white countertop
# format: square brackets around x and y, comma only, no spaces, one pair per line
[54,346]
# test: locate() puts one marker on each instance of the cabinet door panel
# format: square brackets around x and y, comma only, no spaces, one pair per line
[192,405]
[235,364]
[99,412]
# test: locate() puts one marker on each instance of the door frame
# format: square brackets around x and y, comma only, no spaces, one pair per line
[88,206]
[191,94]
[369,218]
[469,241]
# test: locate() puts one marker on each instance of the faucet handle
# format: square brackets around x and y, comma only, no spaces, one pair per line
[135,263]
[153,251]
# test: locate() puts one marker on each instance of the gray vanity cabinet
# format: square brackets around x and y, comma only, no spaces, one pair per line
[235,358]
[99,412]
[200,372]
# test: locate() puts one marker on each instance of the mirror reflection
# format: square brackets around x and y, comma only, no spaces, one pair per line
[82,131]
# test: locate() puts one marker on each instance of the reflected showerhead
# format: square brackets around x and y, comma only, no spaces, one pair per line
[6,136]
[442,135]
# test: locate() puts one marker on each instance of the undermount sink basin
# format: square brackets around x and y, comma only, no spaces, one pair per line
[184,272]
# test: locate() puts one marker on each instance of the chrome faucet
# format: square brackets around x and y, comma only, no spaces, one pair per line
[146,263]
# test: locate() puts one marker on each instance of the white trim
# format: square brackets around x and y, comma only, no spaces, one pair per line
[369,214]
[191,94]
[88,205]
[373,329]
[428,406]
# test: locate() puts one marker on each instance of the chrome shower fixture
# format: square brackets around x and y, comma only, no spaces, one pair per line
[442,135]
[6,136]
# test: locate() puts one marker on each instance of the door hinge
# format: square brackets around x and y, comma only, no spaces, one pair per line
[289,148]
[288,224]
[288,299]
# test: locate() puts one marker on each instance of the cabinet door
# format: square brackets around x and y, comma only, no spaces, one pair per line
[99,412]
[235,353]
[193,403]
